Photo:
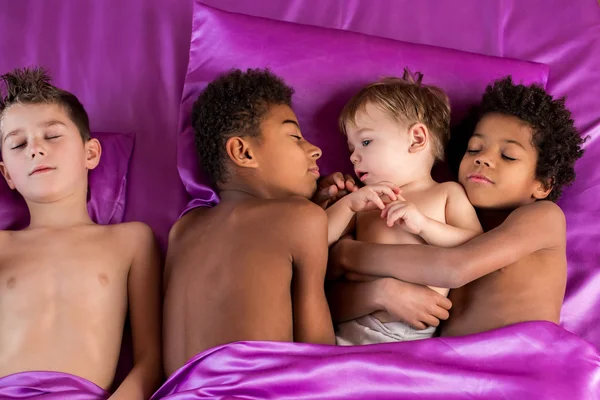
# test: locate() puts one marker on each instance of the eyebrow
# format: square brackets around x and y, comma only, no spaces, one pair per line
[52,123]
[363,130]
[12,133]
[291,121]
[46,124]
[479,135]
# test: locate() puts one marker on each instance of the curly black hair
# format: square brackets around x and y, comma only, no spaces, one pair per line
[234,104]
[555,137]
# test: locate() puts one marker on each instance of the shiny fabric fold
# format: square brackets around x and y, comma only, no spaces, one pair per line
[40,385]
[533,360]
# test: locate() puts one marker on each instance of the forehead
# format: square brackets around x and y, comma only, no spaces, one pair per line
[277,118]
[279,113]
[370,116]
[500,127]
[27,116]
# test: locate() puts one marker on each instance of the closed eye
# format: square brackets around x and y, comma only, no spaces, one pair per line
[297,137]
[18,146]
[52,137]
[508,158]
[473,151]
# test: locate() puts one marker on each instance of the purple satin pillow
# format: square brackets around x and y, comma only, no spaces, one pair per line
[107,185]
[325,67]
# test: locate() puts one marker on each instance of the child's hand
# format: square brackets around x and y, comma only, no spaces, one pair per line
[369,197]
[332,188]
[416,305]
[404,214]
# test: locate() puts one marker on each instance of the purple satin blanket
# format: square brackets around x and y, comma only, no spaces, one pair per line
[532,360]
[49,386]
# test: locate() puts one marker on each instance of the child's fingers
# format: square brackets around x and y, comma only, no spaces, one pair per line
[338,178]
[387,208]
[440,313]
[395,214]
[385,190]
[418,325]
[444,302]
[430,320]
[375,199]
[350,184]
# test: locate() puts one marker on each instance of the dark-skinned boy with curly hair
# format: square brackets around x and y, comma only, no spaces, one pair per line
[253,267]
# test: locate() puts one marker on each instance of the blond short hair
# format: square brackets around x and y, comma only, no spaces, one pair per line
[407,101]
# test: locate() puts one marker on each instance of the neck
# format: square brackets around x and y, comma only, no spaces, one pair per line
[491,219]
[418,183]
[234,192]
[67,212]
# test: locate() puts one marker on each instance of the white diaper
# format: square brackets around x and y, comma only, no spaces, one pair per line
[370,330]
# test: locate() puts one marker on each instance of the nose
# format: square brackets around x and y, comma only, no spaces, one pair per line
[36,149]
[483,159]
[314,151]
[354,157]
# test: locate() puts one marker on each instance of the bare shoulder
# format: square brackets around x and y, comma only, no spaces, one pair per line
[136,235]
[182,225]
[300,214]
[545,213]
[453,190]
[543,219]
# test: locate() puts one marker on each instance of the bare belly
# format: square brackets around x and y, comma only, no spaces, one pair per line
[503,298]
[372,229]
[59,337]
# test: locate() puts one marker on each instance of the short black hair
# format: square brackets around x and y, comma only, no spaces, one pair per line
[33,86]
[554,135]
[234,104]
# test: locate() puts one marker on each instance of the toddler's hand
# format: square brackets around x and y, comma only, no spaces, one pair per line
[404,214]
[369,197]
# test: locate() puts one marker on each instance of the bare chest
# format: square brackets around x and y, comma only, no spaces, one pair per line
[371,228]
[42,271]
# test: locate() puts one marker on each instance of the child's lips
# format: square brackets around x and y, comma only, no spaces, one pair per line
[40,169]
[314,171]
[479,178]
[362,176]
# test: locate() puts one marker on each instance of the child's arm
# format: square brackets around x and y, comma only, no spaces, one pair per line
[307,225]
[416,305]
[461,224]
[529,229]
[143,286]
[341,214]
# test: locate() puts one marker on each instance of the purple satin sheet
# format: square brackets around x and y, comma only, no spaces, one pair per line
[49,386]
[533,360]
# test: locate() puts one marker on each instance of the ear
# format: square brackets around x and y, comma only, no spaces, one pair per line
[542,190]
[93,151]
[241,152]
[6,175]
[419,137]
